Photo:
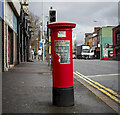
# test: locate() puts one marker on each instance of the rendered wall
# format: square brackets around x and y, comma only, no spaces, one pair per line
[106,39]
[10,17]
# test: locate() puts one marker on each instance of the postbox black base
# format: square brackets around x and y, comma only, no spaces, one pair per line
[63,96]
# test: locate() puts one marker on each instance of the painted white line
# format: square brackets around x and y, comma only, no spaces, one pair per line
[103,75]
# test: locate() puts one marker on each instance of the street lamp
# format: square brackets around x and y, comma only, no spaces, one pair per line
[43,26]
[95,21]
[119,12]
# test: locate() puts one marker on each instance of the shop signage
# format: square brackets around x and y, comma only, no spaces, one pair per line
[105,52]
[40,44]
[14,23]
[111,53]
[62,49]
[110,45]
[17,5]
[10,17]
[99,45]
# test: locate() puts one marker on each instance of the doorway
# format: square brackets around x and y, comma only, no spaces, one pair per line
[10,46]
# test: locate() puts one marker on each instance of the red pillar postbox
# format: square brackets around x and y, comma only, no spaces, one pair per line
[62,63]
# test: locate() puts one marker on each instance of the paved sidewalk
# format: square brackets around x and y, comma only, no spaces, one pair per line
[27,88]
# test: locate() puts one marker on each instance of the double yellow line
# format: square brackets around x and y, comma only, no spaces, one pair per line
[109,92]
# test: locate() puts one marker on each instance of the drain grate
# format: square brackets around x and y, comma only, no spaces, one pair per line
[44,73]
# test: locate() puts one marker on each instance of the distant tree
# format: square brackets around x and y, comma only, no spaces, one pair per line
[35,24]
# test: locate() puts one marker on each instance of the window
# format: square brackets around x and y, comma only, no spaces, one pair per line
[118,38]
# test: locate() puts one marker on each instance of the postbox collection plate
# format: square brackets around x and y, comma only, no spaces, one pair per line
[62,49]
[62,34]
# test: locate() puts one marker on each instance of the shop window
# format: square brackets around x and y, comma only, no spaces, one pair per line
[118,39]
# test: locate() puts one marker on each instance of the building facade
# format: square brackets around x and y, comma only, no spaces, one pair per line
[1,31]
[116,43]
[87,37]
[91,40]
[14,34]
[105,40]
[94,45]
[11,22]
[98,49]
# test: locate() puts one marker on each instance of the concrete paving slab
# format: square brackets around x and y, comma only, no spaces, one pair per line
[27,88]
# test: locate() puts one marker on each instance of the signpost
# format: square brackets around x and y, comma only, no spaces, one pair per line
[43,41]
[40,44]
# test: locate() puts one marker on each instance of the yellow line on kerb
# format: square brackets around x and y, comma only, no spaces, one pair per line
[102,90]
[110,90]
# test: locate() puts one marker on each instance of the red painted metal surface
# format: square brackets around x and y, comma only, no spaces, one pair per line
[61,25]
[62,73]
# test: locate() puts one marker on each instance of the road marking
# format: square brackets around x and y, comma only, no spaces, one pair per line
[103,75]
[110,90]
[98,87]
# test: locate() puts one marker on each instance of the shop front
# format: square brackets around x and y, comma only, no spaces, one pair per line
[10,38]
[10,47]
[1,31]
[116,43]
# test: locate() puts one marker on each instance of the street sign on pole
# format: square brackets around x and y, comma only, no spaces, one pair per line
[40,44]
[43,28]
[49,38]
[49,49]
[43,40]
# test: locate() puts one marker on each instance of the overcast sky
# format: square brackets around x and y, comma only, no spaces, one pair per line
[86,15]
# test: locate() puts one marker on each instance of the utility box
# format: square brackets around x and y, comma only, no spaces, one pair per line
[62,63]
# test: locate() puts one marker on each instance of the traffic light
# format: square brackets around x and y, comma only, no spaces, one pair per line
[52,15]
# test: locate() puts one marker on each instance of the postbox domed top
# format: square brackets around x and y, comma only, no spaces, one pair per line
[61,24]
